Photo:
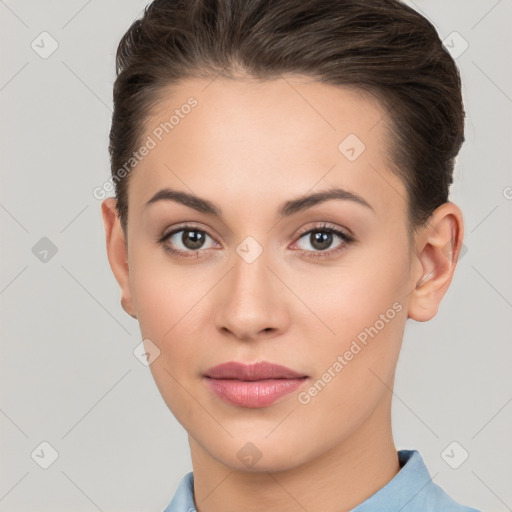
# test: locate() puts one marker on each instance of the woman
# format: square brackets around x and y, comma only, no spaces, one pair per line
[282,172]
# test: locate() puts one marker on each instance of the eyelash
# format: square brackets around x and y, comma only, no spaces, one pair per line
[324,228]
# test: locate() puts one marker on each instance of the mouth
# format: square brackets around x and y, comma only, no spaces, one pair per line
[254,385]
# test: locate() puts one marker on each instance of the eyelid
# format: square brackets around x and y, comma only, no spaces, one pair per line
[327,226]
[343,233]
[183,227]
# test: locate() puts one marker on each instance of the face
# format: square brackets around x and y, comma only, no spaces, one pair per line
[319,286]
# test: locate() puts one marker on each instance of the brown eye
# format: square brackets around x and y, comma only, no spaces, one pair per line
[192,239]
[321,239]
[185,241]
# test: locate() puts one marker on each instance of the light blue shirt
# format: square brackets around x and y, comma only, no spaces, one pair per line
[411,490]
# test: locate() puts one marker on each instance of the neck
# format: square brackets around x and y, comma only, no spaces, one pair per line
[336,481]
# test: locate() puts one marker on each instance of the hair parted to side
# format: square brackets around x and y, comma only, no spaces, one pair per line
[380,47]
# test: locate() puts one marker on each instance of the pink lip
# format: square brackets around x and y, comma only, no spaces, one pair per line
[256,371]
[254,385]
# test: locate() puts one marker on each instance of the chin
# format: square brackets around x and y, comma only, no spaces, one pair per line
[259,457]
[274,464]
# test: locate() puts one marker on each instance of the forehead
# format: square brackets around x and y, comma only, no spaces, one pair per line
[274,139]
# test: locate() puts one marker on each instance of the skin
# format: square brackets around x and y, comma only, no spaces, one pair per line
[248,147]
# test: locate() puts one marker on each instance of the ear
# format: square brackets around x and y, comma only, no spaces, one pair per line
[117,251]
[437,251]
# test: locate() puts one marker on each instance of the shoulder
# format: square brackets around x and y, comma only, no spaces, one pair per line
[436,499]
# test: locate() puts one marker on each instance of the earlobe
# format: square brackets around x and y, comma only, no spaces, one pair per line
[438,248]
[117,252]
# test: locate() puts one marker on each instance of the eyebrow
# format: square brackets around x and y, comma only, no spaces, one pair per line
[286,209]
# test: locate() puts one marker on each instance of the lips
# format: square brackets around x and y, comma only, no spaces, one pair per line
[250,372]
[253,385]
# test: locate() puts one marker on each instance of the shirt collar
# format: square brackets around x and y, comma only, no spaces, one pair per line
[401,491]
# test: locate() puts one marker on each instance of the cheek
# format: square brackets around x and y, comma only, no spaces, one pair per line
[355,366]
[361,305]
[159,292]
[167,311]
[156,301]
[169,303]
[349,298]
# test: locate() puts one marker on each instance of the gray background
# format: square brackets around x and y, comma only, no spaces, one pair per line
[68,374]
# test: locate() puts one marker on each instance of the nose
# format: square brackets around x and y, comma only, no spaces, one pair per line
[252,301]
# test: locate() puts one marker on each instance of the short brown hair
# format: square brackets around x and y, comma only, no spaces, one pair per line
[382,47]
